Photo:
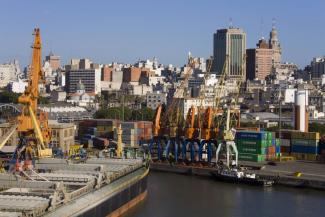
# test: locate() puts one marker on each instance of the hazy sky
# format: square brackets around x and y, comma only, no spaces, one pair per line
[126,30]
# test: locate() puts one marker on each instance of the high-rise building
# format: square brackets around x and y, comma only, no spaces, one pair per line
[89,77]
[230,42]
[274,44]
[317,67]
[54,61]
[259,61]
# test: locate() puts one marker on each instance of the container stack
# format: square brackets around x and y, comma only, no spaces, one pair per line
[100,143]
[254,146]
[285,142]
[98,127]
[322,150]
[129,133]
[304,145]
[144,130]
[105,128]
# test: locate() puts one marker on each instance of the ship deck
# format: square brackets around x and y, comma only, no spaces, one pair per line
[56,187]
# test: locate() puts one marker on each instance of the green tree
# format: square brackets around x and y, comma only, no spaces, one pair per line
[9,97]
[146,114]
[316,127]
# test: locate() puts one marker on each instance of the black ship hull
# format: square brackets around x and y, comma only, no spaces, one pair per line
[120,202]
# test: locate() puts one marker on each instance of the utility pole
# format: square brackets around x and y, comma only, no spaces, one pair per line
[280,111]
[122,107]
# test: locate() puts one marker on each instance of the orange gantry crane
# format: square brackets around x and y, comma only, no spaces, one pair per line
[33,123]
[189,123]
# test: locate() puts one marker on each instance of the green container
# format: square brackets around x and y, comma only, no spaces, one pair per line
[251,157]
[269,136]
[277,142]
[252,143]
[251,150]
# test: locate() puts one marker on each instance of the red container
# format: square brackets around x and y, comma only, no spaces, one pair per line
[285,149]
[271,150]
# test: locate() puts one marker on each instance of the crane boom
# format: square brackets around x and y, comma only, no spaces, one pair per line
[32,122]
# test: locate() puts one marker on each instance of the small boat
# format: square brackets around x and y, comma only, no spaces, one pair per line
[236,175]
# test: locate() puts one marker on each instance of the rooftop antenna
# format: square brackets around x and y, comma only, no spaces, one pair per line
[230,23]
[262,29]
[273,23]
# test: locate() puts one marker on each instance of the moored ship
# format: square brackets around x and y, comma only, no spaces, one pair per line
[57,187]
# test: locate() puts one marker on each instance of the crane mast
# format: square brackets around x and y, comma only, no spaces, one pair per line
[32,122]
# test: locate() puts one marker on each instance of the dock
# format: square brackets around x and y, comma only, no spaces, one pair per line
[313,174]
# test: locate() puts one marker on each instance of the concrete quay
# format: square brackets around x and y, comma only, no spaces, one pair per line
[313,174]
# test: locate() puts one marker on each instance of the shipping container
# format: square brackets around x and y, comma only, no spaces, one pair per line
[304,149]
[271,150]
[251,157]
[277,149]
[285,149]
[304,142]
[285,142]
[128,125]
[251,150]
[305,135]
[252,135]
[283,135]
[252,143]
[303,156]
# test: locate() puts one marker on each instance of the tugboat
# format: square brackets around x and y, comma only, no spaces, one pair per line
[238,175]
[231,172]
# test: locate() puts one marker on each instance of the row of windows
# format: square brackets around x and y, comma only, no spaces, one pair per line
[154,100]
[66,132]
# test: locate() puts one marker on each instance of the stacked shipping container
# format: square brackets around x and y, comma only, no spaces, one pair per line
[304,145]
[301,145]
[255,146]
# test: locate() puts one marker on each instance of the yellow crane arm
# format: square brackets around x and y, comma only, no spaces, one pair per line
[37,128]
[7,135]
[221,82]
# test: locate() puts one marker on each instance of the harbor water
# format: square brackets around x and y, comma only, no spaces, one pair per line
[174,195]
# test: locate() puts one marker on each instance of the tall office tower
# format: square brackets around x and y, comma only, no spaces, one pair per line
[259,61]
[231,42]
[274,44]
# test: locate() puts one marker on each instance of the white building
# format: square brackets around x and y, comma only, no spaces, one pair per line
[155,99]
[9,72]
[80,97]
[17,86]
[196,102]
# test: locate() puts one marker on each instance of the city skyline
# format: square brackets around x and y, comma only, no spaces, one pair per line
[126,31]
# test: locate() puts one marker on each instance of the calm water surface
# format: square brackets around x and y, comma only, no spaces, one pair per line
[173,195]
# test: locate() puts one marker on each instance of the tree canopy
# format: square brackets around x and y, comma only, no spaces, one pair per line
[145,114]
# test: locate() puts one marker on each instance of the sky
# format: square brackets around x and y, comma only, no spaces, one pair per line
[128,30]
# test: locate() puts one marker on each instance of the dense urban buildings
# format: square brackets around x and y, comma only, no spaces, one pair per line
[8,72]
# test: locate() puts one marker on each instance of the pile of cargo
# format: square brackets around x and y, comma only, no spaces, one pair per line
[321,157]
[135,132]
[301,145]
[285,141]
[129,133]
[304,145]
[98,127]
[144,130]
[256,146]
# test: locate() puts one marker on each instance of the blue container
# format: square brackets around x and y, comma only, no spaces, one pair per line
[277,149]
[92,130]
[321,147]
[88,136]
[304,149]
[251,135]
